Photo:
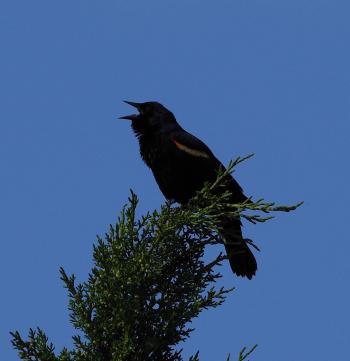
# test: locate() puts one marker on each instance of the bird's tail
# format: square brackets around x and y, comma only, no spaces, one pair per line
[241,258]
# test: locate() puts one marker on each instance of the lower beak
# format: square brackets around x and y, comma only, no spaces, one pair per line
[129,117]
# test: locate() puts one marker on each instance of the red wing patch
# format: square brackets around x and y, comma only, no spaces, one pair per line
[195,152]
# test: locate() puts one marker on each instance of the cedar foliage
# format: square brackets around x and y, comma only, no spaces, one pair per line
[148,282]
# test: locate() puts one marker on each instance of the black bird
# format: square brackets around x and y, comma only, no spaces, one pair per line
[181,164]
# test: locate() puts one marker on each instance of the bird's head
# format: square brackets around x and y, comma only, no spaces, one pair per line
[152,117]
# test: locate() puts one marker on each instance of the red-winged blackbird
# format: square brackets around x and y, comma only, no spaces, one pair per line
[181,164]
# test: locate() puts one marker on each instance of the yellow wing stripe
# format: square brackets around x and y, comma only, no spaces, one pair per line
[195,152]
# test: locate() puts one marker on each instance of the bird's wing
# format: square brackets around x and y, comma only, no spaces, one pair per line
[191,145]
[194,147]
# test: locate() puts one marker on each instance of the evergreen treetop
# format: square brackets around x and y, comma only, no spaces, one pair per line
[148,282]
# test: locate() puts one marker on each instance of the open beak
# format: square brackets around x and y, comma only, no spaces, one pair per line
[132,116]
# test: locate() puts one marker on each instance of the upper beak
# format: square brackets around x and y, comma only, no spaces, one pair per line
[132,116]
[133,104]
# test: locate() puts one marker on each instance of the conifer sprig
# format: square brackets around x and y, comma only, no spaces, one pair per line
[148,282]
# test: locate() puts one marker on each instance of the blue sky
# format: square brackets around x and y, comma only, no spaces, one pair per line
[269,77]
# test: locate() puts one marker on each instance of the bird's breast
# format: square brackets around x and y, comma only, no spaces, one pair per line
[150,150]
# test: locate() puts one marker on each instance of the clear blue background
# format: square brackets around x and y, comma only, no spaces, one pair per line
[270,77]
